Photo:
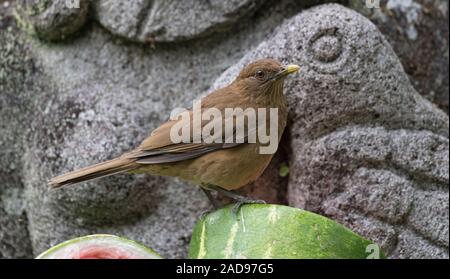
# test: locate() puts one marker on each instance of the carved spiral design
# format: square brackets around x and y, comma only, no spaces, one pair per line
[326,51]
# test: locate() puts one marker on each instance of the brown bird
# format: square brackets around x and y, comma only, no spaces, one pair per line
[217,166]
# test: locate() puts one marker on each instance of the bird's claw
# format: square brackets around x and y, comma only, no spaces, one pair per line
[241,202]
[204,213]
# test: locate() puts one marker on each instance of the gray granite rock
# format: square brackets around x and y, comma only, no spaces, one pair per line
[167,21]
[366,149]
[53,19]
[16,79]
[419,35]
[362,146]
[102,97]
[413,27]
[144,21]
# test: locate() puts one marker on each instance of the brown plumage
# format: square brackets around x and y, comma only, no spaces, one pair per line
[226,165]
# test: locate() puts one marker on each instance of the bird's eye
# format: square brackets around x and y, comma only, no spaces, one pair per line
[259,74]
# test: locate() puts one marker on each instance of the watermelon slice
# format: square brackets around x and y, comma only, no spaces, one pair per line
[275,231]
[99,246]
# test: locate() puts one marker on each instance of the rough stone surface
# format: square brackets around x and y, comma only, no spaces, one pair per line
[368,150]
[418,32]
[167,21]
[53,19]
[362,146]
[104,96]
[144,21]
[16,73]
[413,27]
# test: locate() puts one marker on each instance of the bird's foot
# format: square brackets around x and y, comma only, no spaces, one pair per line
[204,213]
[240,202]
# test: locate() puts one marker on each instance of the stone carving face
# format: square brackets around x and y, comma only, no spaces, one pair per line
[358,127]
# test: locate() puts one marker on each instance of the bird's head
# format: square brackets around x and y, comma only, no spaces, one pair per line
[264,77]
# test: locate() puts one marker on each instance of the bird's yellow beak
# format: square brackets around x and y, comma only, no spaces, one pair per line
[292,68]
[289,69]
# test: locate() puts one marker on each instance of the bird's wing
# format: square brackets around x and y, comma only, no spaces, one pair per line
[159,148]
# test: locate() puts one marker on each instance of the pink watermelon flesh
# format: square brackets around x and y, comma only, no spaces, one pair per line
[99,252]
[99,247]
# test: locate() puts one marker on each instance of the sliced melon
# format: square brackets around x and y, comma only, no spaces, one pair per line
[99,246]
[274,231]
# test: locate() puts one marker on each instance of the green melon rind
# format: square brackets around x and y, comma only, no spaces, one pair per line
[100,237]
[274,231]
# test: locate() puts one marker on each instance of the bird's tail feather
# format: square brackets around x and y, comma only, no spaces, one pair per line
[95,171]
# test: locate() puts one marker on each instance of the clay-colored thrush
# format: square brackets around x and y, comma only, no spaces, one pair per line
[214,166]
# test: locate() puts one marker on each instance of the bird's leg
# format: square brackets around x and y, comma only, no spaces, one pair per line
[213,201]
[211,198]
[239,200]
